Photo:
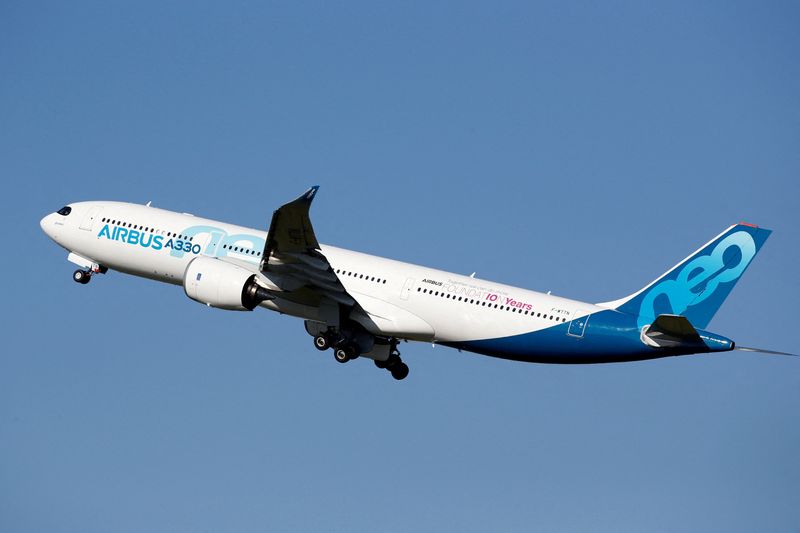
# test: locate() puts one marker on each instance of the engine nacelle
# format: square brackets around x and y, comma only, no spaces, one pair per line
[224,285]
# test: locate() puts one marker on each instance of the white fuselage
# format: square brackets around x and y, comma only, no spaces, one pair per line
[403,300]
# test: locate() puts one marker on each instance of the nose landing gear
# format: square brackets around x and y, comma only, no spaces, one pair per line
[82,276]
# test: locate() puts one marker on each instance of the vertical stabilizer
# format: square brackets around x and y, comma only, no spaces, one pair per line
[697,286]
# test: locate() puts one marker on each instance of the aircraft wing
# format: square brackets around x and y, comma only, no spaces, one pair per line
[292,252]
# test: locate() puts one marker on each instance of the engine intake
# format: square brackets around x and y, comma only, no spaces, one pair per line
[223,285]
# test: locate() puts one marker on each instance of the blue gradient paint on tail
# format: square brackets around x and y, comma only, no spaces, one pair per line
[697,286]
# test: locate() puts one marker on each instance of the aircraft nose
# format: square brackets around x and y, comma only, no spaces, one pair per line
[47,225]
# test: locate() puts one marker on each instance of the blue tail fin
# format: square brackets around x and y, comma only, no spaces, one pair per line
[697,286]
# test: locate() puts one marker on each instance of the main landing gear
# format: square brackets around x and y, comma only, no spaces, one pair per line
[345,350]
[396,367]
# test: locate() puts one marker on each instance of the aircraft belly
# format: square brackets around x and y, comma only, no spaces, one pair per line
[609,337]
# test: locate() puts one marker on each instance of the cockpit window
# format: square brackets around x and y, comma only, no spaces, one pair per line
[64,211]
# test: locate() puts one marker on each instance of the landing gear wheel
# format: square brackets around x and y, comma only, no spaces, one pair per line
[345,353]
[81,276]
[340,355]
[381,364]
[322,343]
[399,371]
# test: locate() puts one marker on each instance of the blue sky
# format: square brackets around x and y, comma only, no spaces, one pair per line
[580,148]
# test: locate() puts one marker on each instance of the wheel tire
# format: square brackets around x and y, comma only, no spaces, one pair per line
[340,354]
[381,364]
[322,343]
[399,371]
[80,276]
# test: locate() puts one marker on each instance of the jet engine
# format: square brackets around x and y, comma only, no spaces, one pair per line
[223,285]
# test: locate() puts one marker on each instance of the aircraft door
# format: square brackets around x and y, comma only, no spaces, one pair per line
[212,241]
[577,325]
[89,218]
[407,289]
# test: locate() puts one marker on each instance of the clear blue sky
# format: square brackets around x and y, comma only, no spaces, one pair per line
[581,149]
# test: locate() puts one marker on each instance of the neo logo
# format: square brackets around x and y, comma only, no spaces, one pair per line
[701,277]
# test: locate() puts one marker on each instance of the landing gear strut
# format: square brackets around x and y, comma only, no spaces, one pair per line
[82,276]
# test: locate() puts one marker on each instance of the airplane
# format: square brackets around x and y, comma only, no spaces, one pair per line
[363,305]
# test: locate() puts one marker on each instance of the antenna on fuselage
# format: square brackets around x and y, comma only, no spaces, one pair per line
[148,203]
[473,274]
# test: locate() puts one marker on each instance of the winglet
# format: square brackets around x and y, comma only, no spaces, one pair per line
[310,193]
[290,229]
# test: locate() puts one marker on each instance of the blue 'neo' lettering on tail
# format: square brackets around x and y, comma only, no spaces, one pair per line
[697,287]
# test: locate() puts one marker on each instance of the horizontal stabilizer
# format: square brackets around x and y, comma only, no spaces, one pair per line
[670,331]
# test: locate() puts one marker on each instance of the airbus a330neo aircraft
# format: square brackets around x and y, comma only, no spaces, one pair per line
[363,305]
